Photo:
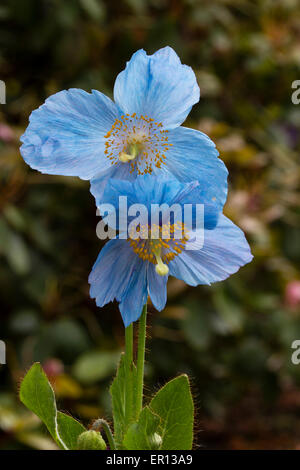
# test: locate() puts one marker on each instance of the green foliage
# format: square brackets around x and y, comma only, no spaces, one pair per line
[167,423]
[69,429]
[173,403]
[142,435]
[118,397]
[117,391]
[37,394]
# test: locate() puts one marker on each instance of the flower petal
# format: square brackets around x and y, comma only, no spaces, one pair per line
[158,86]
[193,194]
[194,157]
[127,285]
[143,189]
[105,285]
[99,182]
[135,296]
[65,135]
[168,55]
[157,287]
[224,251]
[147,190]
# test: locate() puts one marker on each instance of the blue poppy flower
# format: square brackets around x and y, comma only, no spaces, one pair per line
[88,135]
[129,269]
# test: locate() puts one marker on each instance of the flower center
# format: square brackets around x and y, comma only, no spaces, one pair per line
[159,244]
[139,141]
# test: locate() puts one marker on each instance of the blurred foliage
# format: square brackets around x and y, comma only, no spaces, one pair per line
[234,338]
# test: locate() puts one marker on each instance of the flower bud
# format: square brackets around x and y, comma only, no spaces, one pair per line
[90,440]
[155,441]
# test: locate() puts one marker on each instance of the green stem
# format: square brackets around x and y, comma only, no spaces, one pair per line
[141,361]
[128,374]
[101,423]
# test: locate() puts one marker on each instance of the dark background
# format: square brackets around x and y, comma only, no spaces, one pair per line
[234,338]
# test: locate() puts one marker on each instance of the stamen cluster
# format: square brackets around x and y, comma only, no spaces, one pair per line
[139,141]
[164,242]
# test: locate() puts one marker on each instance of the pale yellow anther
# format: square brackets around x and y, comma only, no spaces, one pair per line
[133,152]
[125,157]
[161,268]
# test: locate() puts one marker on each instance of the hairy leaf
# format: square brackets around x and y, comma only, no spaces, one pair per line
[143,435]
[173,403]
[37,394]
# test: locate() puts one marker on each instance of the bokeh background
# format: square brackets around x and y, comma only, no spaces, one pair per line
[234,338]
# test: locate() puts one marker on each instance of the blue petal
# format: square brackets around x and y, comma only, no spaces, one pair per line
[158,86]
[194,194]
[135,296]
[105,284]
[193,156]
[157,288]
[120,274]
[65,135]
[144,189]
[152,190]
[168,55]
[149,190]
[100,181]
[224,251]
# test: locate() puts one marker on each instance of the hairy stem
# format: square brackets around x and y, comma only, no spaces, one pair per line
[102,424]
[141,361]
[128,374]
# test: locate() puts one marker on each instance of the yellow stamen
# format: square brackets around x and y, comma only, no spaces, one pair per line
[161,268]
[161,247]
[138,141]
[126,157]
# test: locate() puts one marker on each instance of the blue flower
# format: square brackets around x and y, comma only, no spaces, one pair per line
[129,270]
[88,135]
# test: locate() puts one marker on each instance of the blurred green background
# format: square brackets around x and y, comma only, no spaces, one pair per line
[234,338]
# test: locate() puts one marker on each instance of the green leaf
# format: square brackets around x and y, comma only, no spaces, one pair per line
[117,392]
[143,435]
[173,403]
[69,429]
[37,394]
